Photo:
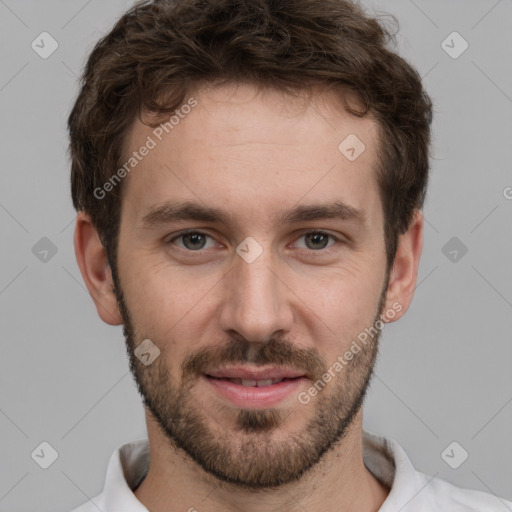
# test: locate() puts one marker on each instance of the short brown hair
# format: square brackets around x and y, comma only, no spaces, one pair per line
[159,50]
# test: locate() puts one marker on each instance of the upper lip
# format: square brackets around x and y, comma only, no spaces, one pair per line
[245,373]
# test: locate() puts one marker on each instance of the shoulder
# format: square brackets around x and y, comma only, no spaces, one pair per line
[448,497]
[414,491]
[93,505]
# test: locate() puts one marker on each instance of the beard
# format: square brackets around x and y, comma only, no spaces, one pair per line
[257,454]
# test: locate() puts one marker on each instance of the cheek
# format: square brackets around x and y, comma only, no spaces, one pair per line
[164,299]
[351,282]
[341,304]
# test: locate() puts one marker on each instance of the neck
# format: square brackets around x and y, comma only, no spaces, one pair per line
[340,481]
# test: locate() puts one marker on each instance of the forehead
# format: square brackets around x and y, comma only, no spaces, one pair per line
[254,151]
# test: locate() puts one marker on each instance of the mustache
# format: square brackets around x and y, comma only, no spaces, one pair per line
[277,351]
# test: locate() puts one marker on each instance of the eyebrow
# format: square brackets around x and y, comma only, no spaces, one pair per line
[177,211]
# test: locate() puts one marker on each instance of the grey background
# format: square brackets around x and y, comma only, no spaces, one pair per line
[444,372]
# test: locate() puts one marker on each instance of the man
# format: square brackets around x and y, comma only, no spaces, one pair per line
[249,178]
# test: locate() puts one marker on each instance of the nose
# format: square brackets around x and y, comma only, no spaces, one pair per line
[257,302]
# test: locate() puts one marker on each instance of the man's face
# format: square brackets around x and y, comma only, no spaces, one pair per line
[285,299]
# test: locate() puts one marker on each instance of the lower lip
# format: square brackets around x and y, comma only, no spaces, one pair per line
[255,397]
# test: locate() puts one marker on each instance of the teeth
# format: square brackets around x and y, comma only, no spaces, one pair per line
[255,383]
[263,383]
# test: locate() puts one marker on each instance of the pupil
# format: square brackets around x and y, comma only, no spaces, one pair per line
[316,237]
[194,237]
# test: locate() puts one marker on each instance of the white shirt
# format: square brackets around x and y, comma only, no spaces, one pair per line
[411,490]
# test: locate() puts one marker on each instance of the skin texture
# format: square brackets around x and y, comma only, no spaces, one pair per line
[256,155]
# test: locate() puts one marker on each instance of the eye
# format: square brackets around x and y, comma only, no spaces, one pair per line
[192,240]
[317,240]
[195,241]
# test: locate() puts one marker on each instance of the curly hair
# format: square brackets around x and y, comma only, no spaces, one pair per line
[159,50]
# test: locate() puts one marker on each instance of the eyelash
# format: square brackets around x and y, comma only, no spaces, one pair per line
[199,251]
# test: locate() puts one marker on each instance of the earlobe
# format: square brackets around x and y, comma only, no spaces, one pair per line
[94,267]
[403,276]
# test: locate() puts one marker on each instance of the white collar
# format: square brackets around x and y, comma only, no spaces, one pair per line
[411,490]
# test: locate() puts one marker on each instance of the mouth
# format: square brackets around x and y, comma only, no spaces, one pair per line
[253,383]
[254,387]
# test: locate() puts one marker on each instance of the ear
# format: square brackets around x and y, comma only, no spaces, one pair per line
[92,260]
[403,276]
